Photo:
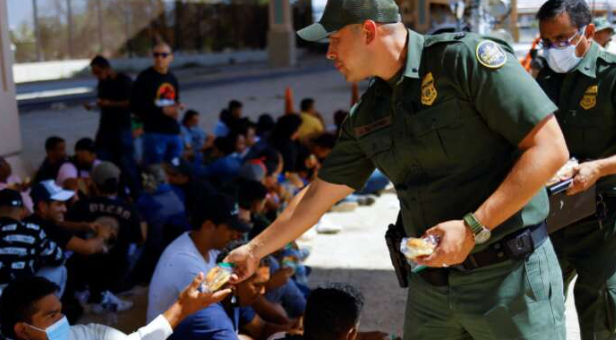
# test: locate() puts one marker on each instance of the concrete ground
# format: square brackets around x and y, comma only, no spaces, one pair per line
[357,255]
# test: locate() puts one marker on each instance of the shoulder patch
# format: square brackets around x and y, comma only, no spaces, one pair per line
[490,54]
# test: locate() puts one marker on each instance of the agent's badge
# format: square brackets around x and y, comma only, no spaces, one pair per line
[490,54]
[590,97]
[428,90]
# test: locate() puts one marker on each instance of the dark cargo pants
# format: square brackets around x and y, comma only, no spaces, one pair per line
[512,300]
[588,249]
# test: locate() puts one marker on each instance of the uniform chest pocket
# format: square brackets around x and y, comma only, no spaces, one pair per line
[434,118]
[376,143]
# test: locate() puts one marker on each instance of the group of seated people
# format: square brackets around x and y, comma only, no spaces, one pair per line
[78,236]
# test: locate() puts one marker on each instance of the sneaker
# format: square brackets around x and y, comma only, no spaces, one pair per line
[111,303]
[325,226]
[344,206]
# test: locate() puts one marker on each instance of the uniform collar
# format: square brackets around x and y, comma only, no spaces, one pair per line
[414,49]
[588,65]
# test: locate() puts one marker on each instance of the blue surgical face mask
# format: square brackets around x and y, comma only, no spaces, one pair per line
[60,330]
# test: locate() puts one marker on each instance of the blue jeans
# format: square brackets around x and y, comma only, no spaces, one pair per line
[158,148]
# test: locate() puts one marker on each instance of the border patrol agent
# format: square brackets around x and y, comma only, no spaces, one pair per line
[469,140]
[603,31]
[581,80]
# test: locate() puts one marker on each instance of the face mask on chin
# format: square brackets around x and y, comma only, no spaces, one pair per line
[60,330]
[564,60]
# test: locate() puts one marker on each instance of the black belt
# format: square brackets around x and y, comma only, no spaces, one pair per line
[516,246]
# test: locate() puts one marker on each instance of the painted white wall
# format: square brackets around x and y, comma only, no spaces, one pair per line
[10,138]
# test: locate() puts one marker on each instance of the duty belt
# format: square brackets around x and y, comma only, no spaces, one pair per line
[516,246]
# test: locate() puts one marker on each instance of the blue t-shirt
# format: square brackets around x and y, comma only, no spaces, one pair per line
[213,323]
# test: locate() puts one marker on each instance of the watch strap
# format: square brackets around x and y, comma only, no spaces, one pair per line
[473,223]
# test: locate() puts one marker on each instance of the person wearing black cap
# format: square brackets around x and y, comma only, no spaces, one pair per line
[215,224]
[186,186]
[106,272]
[24,247]
[74,174]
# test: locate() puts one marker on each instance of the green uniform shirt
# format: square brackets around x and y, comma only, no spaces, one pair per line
[446,134]
[585,98]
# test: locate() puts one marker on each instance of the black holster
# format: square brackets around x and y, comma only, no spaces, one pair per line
[394,235]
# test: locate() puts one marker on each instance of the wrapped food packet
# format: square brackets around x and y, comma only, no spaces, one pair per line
[413,247]
[565,172]
[217,277]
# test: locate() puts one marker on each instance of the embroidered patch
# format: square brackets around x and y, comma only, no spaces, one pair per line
[428,90]
[590,97]
[366,129]
[490,54]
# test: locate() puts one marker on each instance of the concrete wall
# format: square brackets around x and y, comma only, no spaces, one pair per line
[29,72]
[10,139]
[10,133]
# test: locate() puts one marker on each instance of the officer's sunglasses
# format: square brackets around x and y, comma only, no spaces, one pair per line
[562,44]
[160,55]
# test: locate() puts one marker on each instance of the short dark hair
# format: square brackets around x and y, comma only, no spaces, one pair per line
[188,115]
[235,104]
[325,141]
[578,11]
[331,311]
[52,142]
[100,61]
[18,300]
[250,192]
[306,103]
[234,245]
[85,144]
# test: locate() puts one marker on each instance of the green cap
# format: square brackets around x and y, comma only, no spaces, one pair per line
[601,24]
[340,13]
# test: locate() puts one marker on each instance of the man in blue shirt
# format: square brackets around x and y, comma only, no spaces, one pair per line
[225,320]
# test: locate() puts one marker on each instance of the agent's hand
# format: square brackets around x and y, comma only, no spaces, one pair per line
[585,175]
[191,301]
[457,241]
[246,263]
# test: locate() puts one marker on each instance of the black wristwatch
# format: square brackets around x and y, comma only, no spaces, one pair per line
[481,233]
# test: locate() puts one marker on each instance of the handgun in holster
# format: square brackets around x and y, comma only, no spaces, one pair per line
[394,235]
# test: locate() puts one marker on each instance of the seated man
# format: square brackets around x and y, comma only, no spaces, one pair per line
[55,149]
[108,271]
[24,247]
[49,209]
[333,313]
[30,310]
[74,174]
[186,186]
[214,225]
[227,319]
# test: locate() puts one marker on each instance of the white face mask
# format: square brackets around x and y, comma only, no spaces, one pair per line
[564,60]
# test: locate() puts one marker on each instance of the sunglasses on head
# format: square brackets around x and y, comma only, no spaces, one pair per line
[160,54]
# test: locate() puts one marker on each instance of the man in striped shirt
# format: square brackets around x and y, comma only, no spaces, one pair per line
[24,247]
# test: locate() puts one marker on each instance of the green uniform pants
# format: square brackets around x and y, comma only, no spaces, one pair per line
[506,301]
[588,250]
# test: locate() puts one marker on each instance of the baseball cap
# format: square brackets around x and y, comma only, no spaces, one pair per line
[602,23]
[49,191]
[10,198]
[253,170]
[104,172]
[340,13]
[220,208]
